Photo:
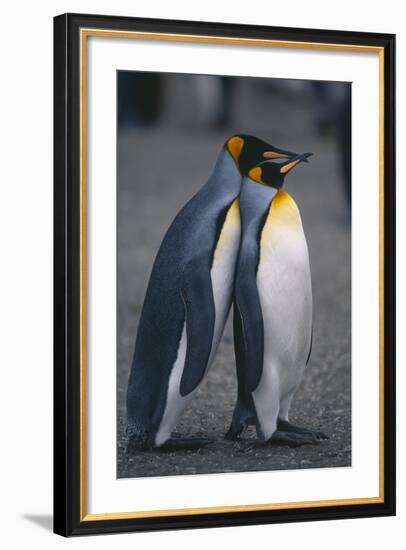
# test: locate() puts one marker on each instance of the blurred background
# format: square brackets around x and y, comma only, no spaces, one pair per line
[171,128]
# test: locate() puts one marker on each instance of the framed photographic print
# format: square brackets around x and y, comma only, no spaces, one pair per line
[224,274]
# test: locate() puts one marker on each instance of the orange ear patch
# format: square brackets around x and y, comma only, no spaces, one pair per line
[256,174]
[235,145]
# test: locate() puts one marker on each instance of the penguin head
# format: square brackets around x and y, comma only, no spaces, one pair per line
[248,151]
[272,174]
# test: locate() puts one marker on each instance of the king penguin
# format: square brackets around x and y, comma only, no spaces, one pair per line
[272,307]
[188,298]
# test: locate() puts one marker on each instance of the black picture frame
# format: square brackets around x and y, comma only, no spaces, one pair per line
[68,519]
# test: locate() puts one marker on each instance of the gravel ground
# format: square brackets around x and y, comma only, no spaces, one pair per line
[174,163]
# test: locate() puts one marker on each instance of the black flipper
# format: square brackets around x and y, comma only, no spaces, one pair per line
[249,338]
[244,412]
[310,347]
[197,295]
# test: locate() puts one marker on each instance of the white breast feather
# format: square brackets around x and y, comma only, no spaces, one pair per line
[284,286]
[222,277]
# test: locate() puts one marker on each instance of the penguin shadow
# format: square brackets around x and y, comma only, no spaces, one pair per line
[45,521]
[244,444]
[177,445]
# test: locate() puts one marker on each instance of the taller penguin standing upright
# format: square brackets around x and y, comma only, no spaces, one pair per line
[272,307]
[188,299]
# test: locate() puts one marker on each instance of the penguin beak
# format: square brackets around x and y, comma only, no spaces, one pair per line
[287,166]
[279,154]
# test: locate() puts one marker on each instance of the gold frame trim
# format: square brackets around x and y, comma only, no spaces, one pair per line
[172,37]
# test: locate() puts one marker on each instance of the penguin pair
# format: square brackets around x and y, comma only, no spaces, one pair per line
[188,299]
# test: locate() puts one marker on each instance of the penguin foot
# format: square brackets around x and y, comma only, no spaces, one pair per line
[184,444]
[136,445]
[233,434]
[293,439]
[285,426]
[236,430]
[243,417]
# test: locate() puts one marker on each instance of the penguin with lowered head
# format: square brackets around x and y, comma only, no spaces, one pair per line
[272,307]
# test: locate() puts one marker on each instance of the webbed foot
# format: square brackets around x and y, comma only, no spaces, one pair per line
[243,417]
[285,426]
[293,439]
[235,431]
